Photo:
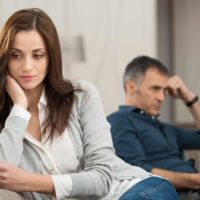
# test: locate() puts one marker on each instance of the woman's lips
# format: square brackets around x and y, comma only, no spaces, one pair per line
[27,78]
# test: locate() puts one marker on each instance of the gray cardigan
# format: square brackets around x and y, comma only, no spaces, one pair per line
[90,134]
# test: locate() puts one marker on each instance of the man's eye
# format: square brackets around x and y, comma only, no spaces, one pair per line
[156,88]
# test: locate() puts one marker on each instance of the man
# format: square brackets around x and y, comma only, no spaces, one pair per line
[141,139]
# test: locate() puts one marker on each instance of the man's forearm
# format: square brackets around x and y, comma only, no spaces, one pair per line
[194,106]
[195,111]
[178,89]
[178,179]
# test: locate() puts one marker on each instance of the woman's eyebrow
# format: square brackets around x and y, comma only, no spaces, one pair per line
[15,49]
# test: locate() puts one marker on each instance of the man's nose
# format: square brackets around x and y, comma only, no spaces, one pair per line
[161,96]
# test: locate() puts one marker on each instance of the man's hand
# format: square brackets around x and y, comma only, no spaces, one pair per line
[15,92]
[177,89]
[180,180]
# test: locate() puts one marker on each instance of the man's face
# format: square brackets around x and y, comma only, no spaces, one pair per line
[149,94]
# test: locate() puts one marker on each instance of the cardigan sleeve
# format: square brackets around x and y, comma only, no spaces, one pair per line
[96,178]
[11,137]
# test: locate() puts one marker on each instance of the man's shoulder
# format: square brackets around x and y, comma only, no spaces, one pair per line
[117,114]
[120,117]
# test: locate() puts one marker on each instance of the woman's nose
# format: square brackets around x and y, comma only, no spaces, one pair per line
[28,64]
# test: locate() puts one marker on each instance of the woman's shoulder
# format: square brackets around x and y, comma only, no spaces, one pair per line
[86,87]
[82,84]
[86,93]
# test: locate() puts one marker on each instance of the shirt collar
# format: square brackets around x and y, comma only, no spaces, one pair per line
[43,101]
[126,108]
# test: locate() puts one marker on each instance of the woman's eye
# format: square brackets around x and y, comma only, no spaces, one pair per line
[16,55]
[38,56]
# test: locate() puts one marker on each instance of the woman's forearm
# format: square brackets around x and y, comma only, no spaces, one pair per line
[40,183]
[18,180]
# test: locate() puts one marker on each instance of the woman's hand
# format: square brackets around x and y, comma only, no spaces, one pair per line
[18,180]
[12,177]
[15,92]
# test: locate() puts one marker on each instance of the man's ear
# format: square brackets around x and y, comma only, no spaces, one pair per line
[130,87]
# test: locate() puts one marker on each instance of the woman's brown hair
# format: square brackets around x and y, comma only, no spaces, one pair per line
[59,93]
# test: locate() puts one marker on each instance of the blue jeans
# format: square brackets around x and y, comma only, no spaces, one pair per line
[152,188]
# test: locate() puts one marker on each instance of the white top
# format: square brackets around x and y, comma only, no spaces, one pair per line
[59,158]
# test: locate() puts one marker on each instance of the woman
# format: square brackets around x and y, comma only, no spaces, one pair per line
[55,140]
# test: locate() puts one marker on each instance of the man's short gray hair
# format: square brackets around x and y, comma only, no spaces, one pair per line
[137,68]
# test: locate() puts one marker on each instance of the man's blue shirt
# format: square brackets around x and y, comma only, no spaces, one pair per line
[143,140]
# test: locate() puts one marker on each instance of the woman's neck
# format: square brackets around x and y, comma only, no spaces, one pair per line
[33,97]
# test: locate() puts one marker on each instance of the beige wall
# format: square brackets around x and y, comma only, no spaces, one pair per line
[113,32]
[186,50]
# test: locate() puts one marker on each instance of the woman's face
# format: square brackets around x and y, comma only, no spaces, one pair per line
[28,62]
